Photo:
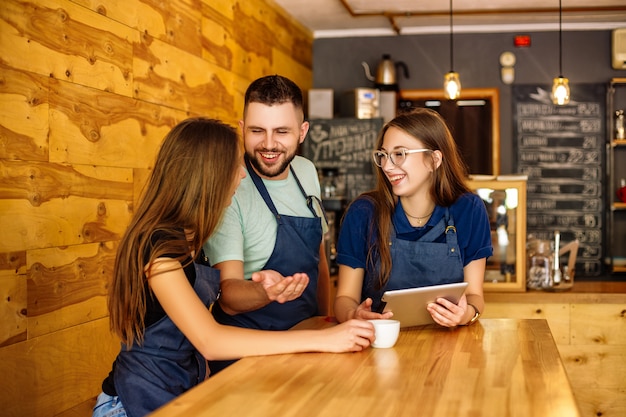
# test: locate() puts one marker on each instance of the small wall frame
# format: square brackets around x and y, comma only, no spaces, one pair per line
[505,201]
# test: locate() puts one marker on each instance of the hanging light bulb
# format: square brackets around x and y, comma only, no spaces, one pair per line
[451,81]
[560,85]
[452,85]
[560,91]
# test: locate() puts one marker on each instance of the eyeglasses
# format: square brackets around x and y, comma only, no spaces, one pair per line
[397,156]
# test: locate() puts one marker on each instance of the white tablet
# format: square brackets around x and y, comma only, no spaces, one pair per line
[409,305]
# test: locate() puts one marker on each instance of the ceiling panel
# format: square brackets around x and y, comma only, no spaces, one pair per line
[336,18]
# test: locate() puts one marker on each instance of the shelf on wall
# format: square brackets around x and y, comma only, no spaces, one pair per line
[615,249]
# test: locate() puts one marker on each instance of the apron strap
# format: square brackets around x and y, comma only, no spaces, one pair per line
[439,229]
[311,200]
[444,226]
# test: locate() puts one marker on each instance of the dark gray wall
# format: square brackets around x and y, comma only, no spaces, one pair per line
[586,59]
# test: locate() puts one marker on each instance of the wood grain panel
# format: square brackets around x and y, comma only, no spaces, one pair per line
[68,286]
[252,29]
[12,264]
[141,176]
[12,309]
[601,402]
[196,86]
[222,48]
[216,31]
[99,128]
[13,292]
[556,314]
[228,41]
[260,29]
[61,222]
[240,86]
[68,42]
[298,74]
[23,115]
[46,375]
[599,324]
[46,205]
[596,366]
[39,183]
[176,22]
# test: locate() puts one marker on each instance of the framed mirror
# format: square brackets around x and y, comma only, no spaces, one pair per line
[505,201]
[474,120]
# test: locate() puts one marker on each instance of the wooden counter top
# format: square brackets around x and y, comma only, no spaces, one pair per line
[496,367]
[608,292]
[585,292]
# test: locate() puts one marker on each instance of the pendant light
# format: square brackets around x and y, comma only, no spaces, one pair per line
[560,85]
[451,81]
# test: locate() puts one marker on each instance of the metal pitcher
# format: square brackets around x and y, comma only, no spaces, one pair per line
[386,79]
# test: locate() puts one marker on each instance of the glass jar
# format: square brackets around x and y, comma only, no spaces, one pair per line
[539,270]
[620,132]
[621,191]
[328,185]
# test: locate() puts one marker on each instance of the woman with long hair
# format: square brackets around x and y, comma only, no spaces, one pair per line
[161,292]
[420,226]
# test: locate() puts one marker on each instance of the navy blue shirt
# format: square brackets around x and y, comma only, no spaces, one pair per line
[470,218]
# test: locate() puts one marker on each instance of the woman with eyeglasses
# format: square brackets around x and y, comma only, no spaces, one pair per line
[160,295]
[420,226]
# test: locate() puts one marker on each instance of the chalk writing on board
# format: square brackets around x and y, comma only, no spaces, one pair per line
[344,145]
[561,150]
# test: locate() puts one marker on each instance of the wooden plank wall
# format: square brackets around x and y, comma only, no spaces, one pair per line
[88,89]
[591,338]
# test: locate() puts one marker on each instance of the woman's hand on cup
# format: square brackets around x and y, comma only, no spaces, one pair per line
[352,335]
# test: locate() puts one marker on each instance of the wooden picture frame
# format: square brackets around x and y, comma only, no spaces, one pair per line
[492,95]
[506,205]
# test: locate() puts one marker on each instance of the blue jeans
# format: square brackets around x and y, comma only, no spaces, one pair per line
[108,406]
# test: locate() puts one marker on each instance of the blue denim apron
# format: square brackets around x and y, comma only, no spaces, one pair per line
[297,249]
[167,364]
[421,263]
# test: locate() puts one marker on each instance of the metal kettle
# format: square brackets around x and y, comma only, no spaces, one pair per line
[385,73]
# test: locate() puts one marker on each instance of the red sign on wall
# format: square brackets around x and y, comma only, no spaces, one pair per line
[521,41]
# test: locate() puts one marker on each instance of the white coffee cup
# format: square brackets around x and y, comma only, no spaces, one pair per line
[386,331]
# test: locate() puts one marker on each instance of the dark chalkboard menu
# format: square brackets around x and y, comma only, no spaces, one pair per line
[345,146]
[561,150]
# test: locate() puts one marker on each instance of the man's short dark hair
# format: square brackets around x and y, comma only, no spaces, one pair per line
[274,89]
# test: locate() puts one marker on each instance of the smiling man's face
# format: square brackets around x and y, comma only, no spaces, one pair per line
[271,136]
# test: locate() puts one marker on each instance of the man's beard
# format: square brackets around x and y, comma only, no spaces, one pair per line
[272,171]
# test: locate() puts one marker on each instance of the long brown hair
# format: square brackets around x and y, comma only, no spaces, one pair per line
[188,189]
[448,181]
